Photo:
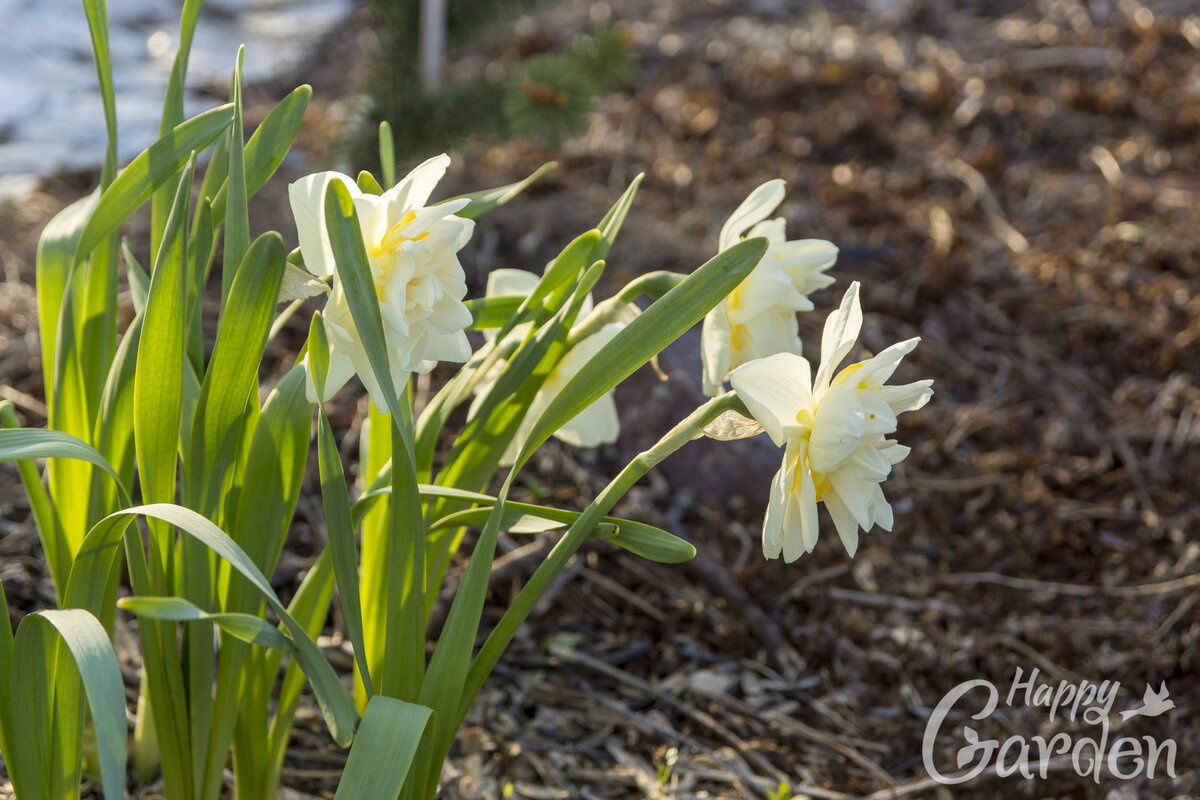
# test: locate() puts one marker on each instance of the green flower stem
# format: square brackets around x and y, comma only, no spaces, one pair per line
[652,284]
[404,654]
[687,430]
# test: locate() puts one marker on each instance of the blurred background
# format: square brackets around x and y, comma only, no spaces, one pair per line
[1014,182]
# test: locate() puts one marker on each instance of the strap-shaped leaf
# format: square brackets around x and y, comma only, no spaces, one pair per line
[45,719]
[6,648]
[270,142]
[246,627]
[354,271]
[232,378]
[95,559]
[611,224]
[493,312]
[158,380]
[484,201]
[639,341]
[237,211]
[310,606]
[387,153]
[20,444]
[367,183]
[55,257]
[645,540]
[274,468]
[97,18]
[383,750]
[340,526]
[147,172]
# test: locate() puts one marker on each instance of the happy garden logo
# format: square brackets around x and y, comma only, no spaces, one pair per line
[1087,705]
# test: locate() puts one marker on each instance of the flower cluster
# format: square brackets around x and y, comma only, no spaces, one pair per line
[833,427]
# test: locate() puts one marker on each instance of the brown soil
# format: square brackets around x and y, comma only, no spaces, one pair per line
[1016,184]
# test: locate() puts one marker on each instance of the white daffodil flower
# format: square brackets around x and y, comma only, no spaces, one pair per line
[598,423]
[412,249]
[833,428]
[758,318]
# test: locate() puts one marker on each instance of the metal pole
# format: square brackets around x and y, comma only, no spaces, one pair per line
[433,43]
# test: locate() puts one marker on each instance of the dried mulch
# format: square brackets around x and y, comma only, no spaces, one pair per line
[1016,184]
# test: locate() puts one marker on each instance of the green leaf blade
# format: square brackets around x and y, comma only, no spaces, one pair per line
[639,341]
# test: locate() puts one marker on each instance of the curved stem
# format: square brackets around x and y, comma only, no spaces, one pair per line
[687,430]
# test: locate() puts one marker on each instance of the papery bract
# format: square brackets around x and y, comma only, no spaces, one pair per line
[833,428]
[412,249]
[758,318]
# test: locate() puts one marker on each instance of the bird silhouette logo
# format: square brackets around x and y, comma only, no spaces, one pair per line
[1153,703]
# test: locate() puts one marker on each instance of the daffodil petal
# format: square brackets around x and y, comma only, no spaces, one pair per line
[510,281]
[804,517]
[881,510]
[837,430]
[755,208]
[844,522]
[772,535]
[715,345]
[414,190]
[596,425]
[307,199]
[775,389]
[908,397]
[875,371]
[841,331]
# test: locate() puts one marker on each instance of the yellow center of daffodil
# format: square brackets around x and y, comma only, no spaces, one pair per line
[394,238]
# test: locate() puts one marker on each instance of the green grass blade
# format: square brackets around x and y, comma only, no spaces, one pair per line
[639,341]
[158,379]
[309,606]
[246,627]
[611,224]
[375,453]
[231,381]
[487,199]
[340,526]
[139,279]
[20,444]
[55,257]
[45,514]
[333,699]
[265,150]
[36,665]
[134,185]
[6,651]
[172,113]
[640,538]
[383,750]
[354,271]
[274,468]
[237,211]
[493,312]
[173,102]
[387,153]
[97,17]
[367,183]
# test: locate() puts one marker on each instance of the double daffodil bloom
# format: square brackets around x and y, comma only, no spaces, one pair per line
[758,318]
[412,250]
[598,423]
[834,429]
